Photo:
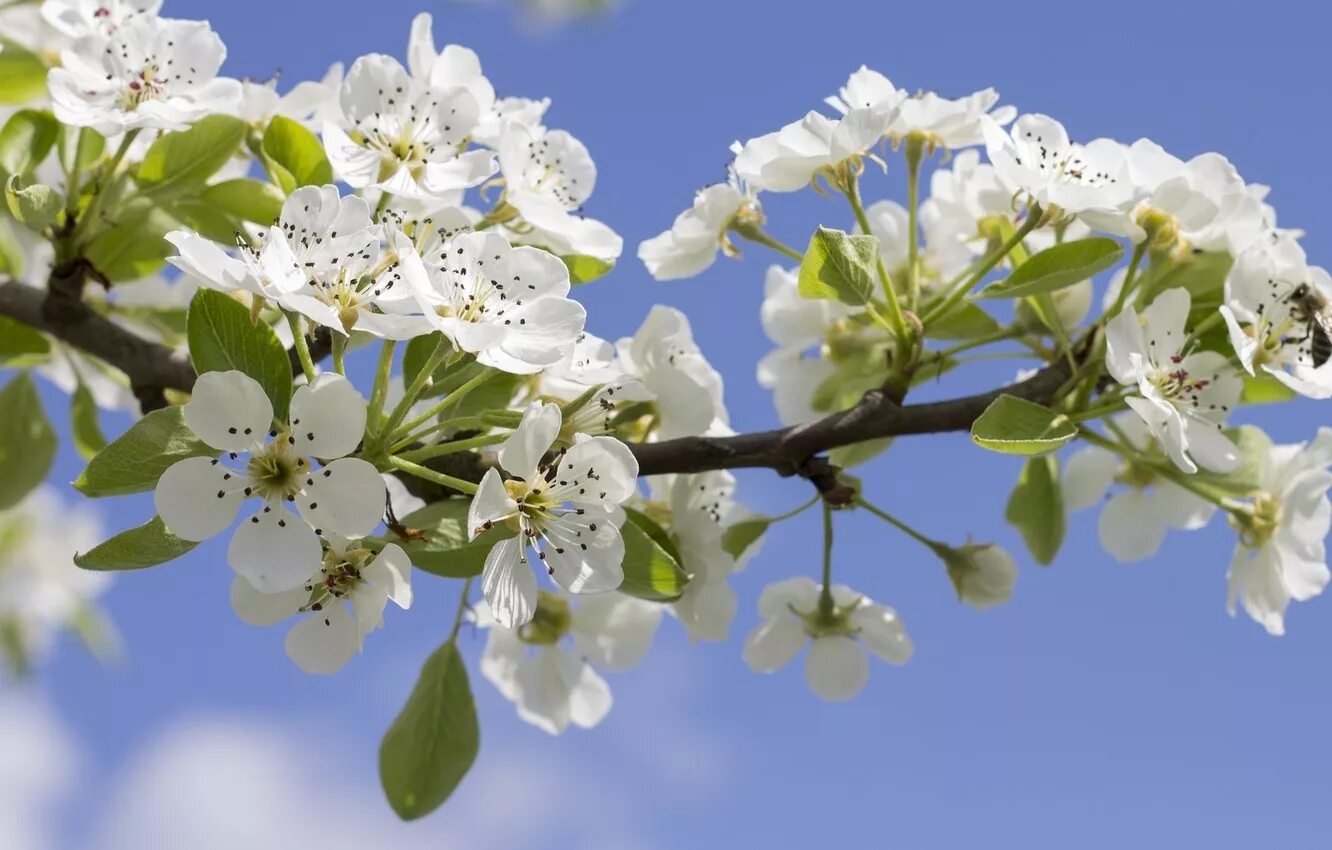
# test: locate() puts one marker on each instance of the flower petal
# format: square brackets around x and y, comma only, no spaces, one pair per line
[1131,528]
[264,609]
[774,643]
[229,411]
[346,497]
[614,631]
[836,668]
[522,452]
[508,584]
[391,571]
[325,641]
[327,417]
[275,550]
[882,633]
[198,497]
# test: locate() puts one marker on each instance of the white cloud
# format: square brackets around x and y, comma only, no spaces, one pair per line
[38,765]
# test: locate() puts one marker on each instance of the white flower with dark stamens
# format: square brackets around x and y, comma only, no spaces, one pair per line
[691,245]
[452,67]
[328,634]
[1269,296]
[322,259]
[789,159]
[566,510]
[1185,397]
[302,463]
[548,667]
[1281,555]
[309,102]
[510,110]
[1135,517]
[961,198]
[153,73]
[663,357]
[79,18]
[398,135]
[836,666]
[592,365]
[1036,159]
[548,175]
[508,306]
[701,507]
[942,122]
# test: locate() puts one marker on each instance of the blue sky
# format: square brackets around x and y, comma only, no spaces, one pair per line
[1106,704]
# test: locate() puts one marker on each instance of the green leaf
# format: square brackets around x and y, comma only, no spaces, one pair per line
[446,551]
[132,246]
[433,741]
[222,336]
[966,321]
[134,461]
[650,572]
[145,546]
[182,161]
[22,73]
[737,539]
[246,199]
[653,529]
[1057,267]
[84,427]
[204,219]
[26,139]
[584,269]
[1264,389]
[293,156]
[80,147]
[839,267]
[1203,275]
[19,340]
[27,442]
[36,206]
[1014,426]
[1036,508]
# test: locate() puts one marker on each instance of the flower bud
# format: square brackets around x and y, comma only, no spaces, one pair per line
[983,574]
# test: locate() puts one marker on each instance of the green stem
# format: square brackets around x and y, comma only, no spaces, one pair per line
[453,446]
[431,475]
[95,204]
[796,510]
[1130,278]
[956,294]
[1109,408]
[383,374]
[417,385]
[384,199]
[999,335]
[914,151]
[462,609]
[895,314]
[443,404]
[302,349]
[826,603]
[339,353]
[933,545]
[760,237]
[1203,327]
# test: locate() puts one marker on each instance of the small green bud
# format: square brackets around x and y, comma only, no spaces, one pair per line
[982,574]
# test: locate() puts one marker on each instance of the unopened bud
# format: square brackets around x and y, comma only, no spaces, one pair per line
[983,574]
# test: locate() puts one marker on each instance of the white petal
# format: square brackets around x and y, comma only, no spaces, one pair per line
[522,451]
[836,668]
[275,550]
[229,411]
[391,570]
[615,466]
[882,633]
[346,497]
[1124,338]
[323,642]
[264,609]
[707,609]
[584,553]
[614,631]
[1088,474]
[1130,526]
[774,643]
[490,504]
[327,417]
[508,584]
[187,498]
[779,597]
[590,698]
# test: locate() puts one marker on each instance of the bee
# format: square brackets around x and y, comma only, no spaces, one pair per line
[1310,307]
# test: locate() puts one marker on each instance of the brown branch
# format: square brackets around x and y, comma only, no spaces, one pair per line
[789,451]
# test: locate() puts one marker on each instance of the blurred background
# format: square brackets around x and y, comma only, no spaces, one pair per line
[1105,704]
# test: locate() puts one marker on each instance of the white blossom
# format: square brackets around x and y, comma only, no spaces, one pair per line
[1268,312]
[1185,397]
[309,102]
[274,549]
[789,159]
[836,665]
[548,667]
[566,510]
[79,18]
[663,357]
[983,574]
[691,245]
[1037,160]
[1281,554]
[154,73]
[950,123]
[328,635]
[1142,504]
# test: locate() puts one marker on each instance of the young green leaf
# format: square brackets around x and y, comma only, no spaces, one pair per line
[1264,389]
[583,269]
[445,549]
[839,267]
[132,247]
[246,199]
[965,321]
[19,340]
[1057,267]
[433,741]
[26,139]
[134,461]
[27,441]
[650,571]
[1014,426]
[1036,508]
[745,533]
[22,73]
[182,161]
[293,156]
[147,545]
[223,336]
[36,206]
[84,427]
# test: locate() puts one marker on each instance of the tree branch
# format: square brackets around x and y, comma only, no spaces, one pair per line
[152,368]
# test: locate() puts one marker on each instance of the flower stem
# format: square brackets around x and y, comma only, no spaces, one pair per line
[443,404]
[898,524]
[895,314]
[761,237]
[799,509]
[339,353]
[1166,470]
[383,373]
[914,152]
[957,293]
[462,609]
[417,385]
[826,604]
[95,204]
[302,349]
[431,475]
[427,452]
[1130,278]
